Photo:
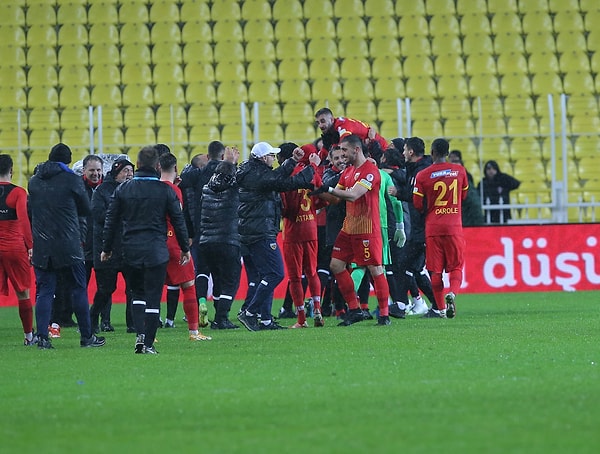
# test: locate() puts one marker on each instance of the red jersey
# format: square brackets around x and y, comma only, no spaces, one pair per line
[439,191]
[347,126]
[299,214]
[362,215]
[15,229]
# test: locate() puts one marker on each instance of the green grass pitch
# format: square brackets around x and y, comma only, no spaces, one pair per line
[513,373]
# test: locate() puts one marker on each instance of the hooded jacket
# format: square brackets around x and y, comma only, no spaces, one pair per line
[59,206]
[100,202]
[260,202]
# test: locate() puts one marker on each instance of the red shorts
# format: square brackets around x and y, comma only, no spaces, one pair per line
[179,274]
[300,258]
[444,253]
[364,250]
[14,267]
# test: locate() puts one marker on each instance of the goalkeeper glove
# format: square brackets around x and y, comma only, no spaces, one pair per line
[399,235]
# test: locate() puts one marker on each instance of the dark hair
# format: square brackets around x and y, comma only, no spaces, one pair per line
[197,160]
[92,157]
[167,161]
[394,157]
[162,149]
[415,144]
[226,168]
[148,157]
[215,150]
[493,165]
[287,150]
[324,111]
[354,141]
[456,153]
[6,164]
[440,147]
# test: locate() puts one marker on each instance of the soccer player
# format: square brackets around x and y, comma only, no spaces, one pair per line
[439,192]
[300,242]
[180,274]
[15,245]
[333,129]
[360,240]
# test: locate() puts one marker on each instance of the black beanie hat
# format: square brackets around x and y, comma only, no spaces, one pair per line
[118,165]
[398,144]
[60,153]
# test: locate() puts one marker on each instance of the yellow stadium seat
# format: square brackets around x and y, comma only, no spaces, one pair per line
[166,31]
[12,14]
[106,94]
[103,72]
[74,73]
[458,127]
[415,44]
[225,9]
[167,73]
[264,91]
[326,89]
[42,75]
[414,8]
[386,67]
[135,34]
[197,52]
[136,73]
[137,95]
[506,22]
[449,64]
[475,22]
[72,33]
[198,71]
[320,48]
[378,7]
[103,13]
[477,43]
[418,65]
[324,68]
[443,23]
[134,13]
[294,90]
[230,71]
[167,53]
[445,7]
[578,82]
[446,43]
[233,92]
[358,88]
[351,26]
[261,70]
[41,13]
[355,67]
[228,50]
[293,68]
[420,86]
[390,87]
[364,110]
[540,62]
[135,53]
[260,50]
[507,6]
[290,30]
[103,34]
[165,10]
[291,9]
[545,83]
[198,30]
[510,42]
[587,145]
[320,27]
[348,8]
[258,29]
[73,54]
[451,85]
[227,30]
[352,47]
[483,84]
[14,55]
[381,25]
[514,84]
[584,120]
[511,62]
[541,41]
[201,92]
[567,41]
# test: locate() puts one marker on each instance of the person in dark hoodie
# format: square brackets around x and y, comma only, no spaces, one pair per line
[260,218]
[412,258]
[106,272]
[496,189]
[59,205]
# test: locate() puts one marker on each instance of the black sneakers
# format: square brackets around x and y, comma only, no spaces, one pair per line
[44,344]
[139,343]
[271,326]
[383,320]
[250,322]
[223,324]
[396,312]
[450,306]
[106,326]
[93,341]
[353,316]
[286,313]
[149,351]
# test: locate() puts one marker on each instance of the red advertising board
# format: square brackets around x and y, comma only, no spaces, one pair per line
[510,258]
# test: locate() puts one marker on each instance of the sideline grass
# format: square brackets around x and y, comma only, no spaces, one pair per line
[516,373]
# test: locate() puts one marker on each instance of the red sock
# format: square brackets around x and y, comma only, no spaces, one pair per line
[382,291]
[317,303]
[190,307]
[26,315]
[346,286]
[437,285]
[455,281]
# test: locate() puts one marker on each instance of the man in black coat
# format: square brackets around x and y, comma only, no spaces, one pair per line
[59,205]
[260,219]
[106,272]
[138,212]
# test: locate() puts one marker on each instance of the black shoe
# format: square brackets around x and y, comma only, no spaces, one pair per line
[250,322]
[29,343]
[149,351]
[139,343]
[367,315]
[106,326]
[160,323]
[131,329]
[271,326]
[169,324]
[93,341]
[450,306]
[432,313]
[383,320]
[353,316]
[286,313]
[44,344]
[224,324]
[396,312]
